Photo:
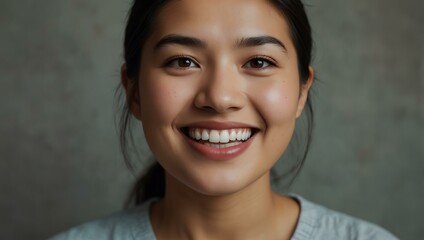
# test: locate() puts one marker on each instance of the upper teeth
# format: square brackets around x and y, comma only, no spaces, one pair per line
[220,136]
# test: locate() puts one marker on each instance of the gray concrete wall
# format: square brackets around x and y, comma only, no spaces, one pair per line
[59,157]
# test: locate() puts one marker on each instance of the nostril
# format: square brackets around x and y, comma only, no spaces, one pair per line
[208,109]
[218,108]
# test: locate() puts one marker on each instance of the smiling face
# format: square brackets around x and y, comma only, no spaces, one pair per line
[219,92]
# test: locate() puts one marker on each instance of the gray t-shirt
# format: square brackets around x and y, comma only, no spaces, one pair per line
[315,222]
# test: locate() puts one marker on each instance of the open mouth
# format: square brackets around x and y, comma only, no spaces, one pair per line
[221,138]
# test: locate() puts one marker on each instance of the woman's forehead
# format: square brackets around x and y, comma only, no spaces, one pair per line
[223,19]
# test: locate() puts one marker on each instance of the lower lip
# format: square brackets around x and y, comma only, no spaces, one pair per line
[220,153]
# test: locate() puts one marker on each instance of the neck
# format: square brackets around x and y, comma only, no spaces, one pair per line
[246,214]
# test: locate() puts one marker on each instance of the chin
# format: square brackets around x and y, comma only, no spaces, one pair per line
[220,184]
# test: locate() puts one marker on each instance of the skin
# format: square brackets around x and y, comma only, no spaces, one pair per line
[219,81]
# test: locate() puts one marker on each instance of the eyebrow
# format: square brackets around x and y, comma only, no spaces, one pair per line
[259,41]
[180,40]
[197,43]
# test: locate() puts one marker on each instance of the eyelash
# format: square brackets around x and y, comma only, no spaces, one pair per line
[268,60]
[172,60]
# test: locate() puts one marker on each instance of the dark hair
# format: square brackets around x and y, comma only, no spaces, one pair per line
[139,25]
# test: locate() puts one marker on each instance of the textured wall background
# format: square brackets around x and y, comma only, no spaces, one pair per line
[59,158]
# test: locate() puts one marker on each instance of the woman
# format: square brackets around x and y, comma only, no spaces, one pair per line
[218,88]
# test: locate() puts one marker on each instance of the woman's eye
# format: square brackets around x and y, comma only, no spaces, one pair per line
[181,62]
[259,63]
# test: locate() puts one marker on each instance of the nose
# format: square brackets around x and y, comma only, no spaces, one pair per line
[221,91]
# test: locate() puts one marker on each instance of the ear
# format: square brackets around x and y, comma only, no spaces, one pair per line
[131,93]
[304,92]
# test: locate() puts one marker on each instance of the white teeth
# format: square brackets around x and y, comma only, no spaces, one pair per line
[220,136]
[239,135]
[205,135]
[214,136]
[197,134]
[233,135]
[224,137]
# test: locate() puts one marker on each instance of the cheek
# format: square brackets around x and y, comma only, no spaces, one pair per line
[162,99]
[275,99]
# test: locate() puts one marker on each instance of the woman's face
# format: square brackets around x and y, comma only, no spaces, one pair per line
[219,92]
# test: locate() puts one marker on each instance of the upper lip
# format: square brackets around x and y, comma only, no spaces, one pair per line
[217,125]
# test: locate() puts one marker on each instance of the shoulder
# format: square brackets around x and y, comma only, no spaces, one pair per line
[318,222]
[129,224]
